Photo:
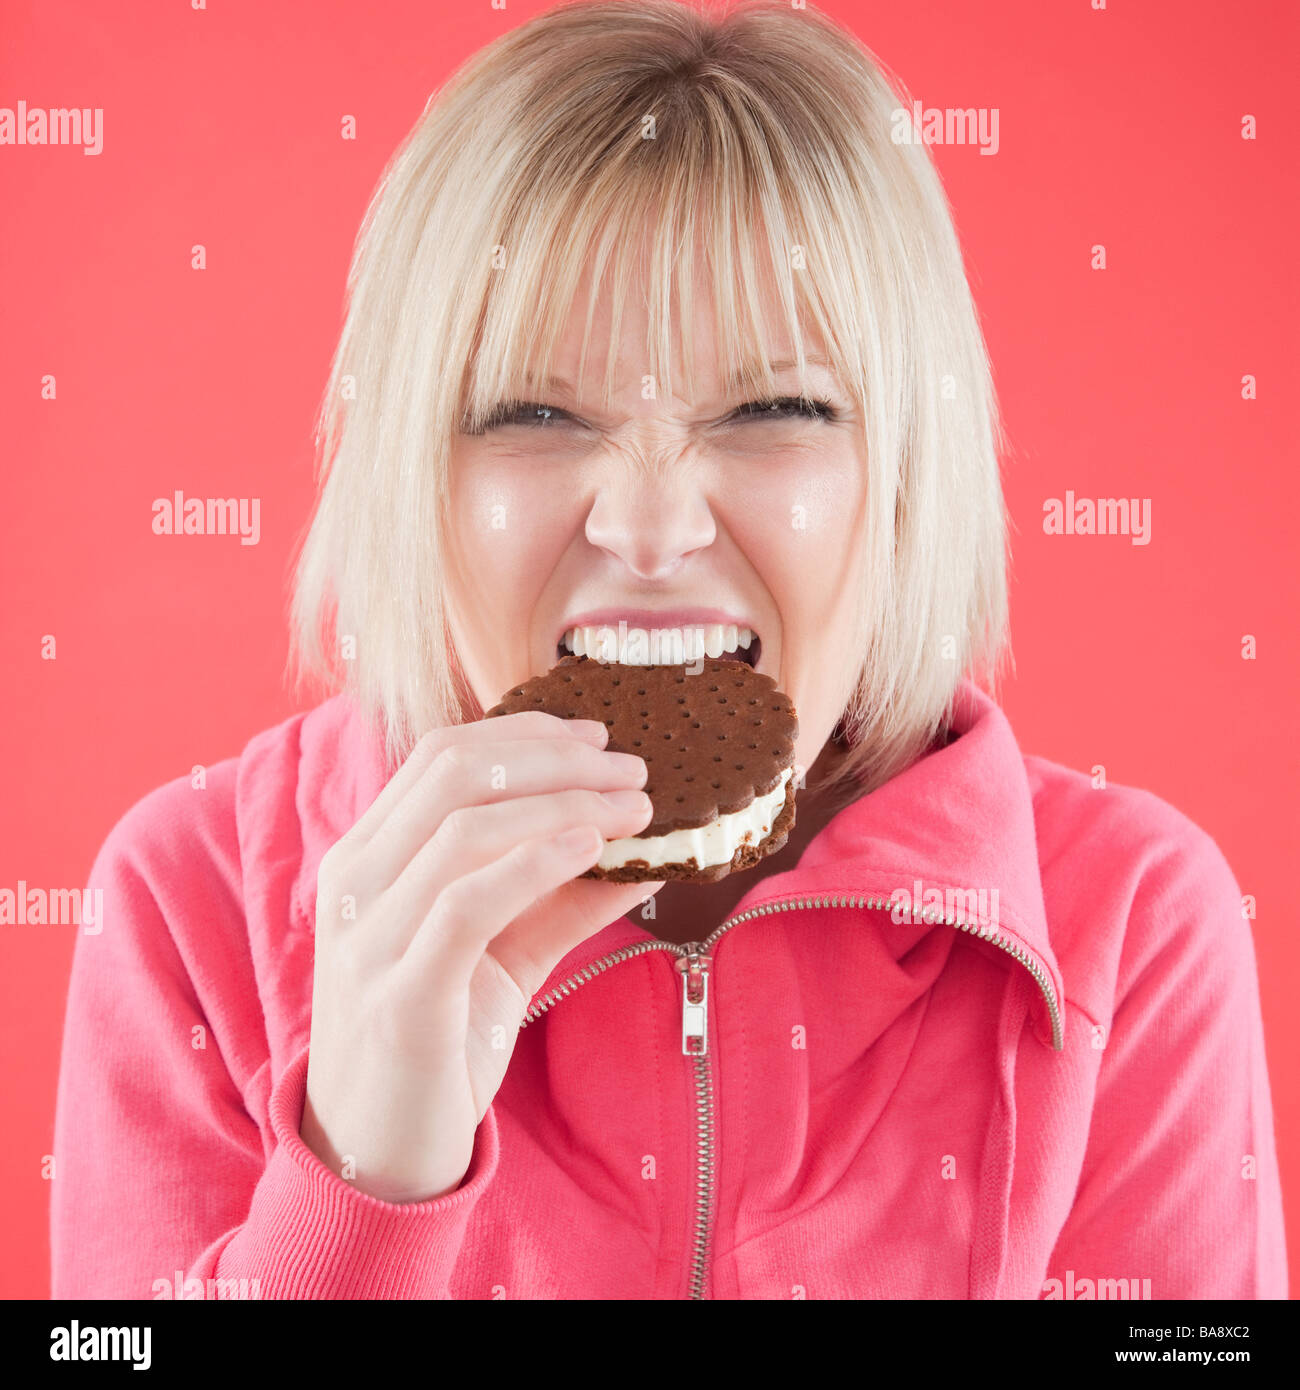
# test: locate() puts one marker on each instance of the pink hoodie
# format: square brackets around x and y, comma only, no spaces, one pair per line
[1062,1095]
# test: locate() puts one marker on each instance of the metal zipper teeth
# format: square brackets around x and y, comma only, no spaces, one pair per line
[703,1077]
[589,972]
[1012,948]
[703,1176]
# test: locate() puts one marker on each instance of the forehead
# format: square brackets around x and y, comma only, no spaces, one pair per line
[705,385]
[586,350]
[628,310]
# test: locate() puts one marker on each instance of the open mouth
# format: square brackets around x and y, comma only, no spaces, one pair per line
[661,646]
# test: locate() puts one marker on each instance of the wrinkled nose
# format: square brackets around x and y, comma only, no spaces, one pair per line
[651,520]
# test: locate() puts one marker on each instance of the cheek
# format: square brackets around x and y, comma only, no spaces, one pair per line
[507,527]
[798,520]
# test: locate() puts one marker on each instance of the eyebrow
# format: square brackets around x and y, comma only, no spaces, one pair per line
[789,363]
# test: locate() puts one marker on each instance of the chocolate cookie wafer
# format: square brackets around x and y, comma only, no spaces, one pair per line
[718,742]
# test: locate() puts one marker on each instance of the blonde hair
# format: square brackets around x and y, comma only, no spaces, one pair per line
[763,133]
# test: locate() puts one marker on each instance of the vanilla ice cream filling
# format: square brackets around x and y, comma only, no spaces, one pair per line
[708,845]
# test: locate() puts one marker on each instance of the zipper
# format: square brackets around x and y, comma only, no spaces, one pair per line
[694,963]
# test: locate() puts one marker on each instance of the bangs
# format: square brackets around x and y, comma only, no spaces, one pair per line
[640,217]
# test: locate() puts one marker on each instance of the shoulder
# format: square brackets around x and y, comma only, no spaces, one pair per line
[1134,888]
[180,830]
[1133,837]
[186,833]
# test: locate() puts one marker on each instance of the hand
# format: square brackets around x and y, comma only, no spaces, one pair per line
[464,898]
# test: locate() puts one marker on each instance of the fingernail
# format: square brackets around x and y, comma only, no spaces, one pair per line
[590,729]
[627,800]
[628,765]
[583,840]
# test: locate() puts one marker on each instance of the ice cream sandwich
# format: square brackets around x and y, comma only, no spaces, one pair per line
[718,741]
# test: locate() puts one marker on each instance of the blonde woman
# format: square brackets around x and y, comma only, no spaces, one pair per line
[652,321]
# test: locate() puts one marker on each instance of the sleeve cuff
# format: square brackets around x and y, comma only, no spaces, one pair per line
[313,1235]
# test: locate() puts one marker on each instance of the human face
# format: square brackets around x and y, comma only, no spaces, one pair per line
[662,514]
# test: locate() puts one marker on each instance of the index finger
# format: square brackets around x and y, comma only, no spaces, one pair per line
[527,724]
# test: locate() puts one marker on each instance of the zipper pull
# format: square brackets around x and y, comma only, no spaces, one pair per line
[694,970]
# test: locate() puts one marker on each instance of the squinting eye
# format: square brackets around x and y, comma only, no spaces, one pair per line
[528,413]
[787,408]
[536,415]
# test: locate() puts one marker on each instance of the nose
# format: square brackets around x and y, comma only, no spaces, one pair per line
[650,520]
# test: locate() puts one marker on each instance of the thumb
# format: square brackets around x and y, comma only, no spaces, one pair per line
[539,938]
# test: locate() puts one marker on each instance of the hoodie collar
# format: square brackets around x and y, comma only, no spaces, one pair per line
[959,820]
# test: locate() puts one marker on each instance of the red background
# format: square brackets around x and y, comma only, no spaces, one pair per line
[222,127]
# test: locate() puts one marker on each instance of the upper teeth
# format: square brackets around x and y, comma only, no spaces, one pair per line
[656,646]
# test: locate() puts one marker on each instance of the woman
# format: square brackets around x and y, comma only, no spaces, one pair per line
[355,1026]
